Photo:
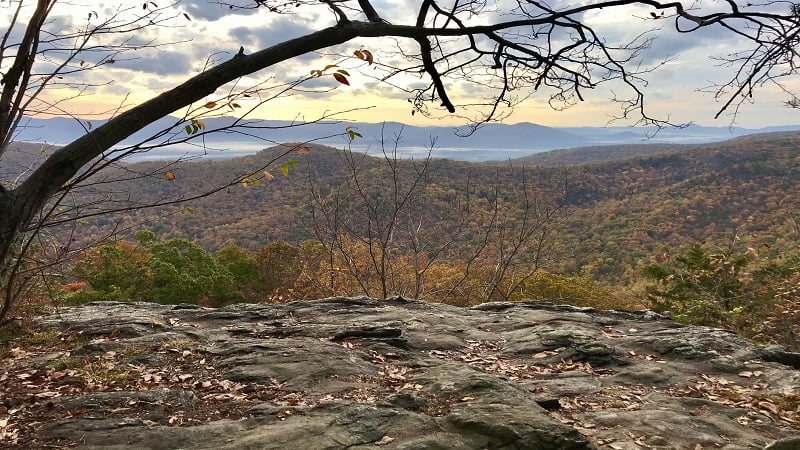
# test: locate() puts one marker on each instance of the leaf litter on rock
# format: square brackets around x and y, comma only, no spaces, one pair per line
[752,398]
[488,356]
[29,391]
[716,389]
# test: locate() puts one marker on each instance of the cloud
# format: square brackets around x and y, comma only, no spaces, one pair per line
[669,43]
[162,63]
[213,11]
[216,32]
[274,33]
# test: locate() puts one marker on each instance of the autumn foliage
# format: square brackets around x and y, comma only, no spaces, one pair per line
[614,235]
[176,271]
[752,291]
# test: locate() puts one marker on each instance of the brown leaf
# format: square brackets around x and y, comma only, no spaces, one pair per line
[47,394]
[385,440]
[769,407]
[341,79]
[368,55]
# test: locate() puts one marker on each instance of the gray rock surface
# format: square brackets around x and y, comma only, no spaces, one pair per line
[359,373]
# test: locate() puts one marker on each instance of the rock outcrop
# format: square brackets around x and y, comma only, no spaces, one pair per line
[359,373]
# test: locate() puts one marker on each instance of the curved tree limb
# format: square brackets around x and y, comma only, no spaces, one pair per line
[427,61]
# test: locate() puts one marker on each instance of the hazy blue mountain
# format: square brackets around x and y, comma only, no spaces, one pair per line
[488,142]
[692,134]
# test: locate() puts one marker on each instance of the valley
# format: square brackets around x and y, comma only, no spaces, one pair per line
[622,205]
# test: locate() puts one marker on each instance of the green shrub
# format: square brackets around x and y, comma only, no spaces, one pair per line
[172,271]
[735,287]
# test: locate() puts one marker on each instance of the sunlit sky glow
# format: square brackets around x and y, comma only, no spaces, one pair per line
[215,33]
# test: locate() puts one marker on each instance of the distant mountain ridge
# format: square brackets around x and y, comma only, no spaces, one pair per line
[623,209]
[490,142]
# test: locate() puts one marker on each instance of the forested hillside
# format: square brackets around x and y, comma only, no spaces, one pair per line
[626,211]
[708,234]
[595,154]
[618,214]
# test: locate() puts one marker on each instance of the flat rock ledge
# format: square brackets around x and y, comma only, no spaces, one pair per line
[360,373]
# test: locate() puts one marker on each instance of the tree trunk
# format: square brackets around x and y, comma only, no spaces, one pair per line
[12,225]
[13,222]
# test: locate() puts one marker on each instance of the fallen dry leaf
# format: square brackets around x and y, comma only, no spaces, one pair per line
[385,440]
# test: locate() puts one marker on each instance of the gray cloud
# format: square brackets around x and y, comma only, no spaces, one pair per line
[264,36]
[217,32]
[161,63]
[670,43]
[215,10]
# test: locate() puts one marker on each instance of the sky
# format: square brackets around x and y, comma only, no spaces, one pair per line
[197,33]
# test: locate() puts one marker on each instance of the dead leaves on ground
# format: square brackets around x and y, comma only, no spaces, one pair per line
[777,408]
[629,398]
[784,409]
[488,356]
[30,390]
